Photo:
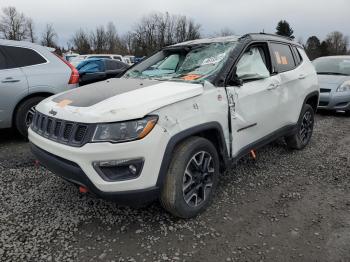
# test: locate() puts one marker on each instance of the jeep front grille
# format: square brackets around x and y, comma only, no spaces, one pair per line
[61,131]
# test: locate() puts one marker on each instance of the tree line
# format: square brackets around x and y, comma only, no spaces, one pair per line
[335,42]
[149,34]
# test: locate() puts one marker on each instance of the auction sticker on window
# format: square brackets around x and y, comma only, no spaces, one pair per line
[213,59]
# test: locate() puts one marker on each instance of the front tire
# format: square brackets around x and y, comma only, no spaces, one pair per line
[25,113]
[305,126]
[191,179]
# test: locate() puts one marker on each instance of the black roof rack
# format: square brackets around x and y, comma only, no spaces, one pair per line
[267,36]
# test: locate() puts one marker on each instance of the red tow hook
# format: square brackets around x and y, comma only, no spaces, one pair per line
[83,190]
[253,154]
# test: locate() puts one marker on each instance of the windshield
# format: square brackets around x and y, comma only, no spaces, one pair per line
[332,66]
[194,64]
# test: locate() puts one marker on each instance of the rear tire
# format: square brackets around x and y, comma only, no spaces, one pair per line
[191,179]
[24,114]
[305,126]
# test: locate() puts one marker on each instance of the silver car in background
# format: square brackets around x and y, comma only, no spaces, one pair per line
[28,74]
[334,81]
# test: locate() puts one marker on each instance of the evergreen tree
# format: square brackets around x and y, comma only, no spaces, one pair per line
[313,47]
[283,28]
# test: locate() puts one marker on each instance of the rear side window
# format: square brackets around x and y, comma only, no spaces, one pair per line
[283,57]
[114,65]
[21,57]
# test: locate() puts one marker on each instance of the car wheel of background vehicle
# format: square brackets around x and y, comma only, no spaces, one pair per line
[191,179]
[304,129]
[24,114]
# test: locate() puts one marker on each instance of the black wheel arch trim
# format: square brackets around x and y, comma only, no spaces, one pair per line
[308,96]
[181,136]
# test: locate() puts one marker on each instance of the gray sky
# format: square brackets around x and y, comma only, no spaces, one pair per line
[307,17]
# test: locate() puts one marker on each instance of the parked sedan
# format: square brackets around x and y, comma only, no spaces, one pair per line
[28,74]
[334,80]
[98,69]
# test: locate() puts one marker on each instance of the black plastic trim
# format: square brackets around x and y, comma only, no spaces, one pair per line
[246,127]
[72,172]
[176,139]
[265,140]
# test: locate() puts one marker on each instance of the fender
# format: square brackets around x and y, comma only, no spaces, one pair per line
[179,137]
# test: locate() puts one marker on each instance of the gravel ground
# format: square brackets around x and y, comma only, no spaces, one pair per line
[285,206]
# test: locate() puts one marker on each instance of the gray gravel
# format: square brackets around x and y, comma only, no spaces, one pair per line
[285,206]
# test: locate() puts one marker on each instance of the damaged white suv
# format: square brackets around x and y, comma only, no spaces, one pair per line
[169,126]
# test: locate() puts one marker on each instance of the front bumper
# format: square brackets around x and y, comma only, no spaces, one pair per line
[81,160]
[71,172]
[335,101]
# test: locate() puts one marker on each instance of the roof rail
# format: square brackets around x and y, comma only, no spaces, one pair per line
[283,36]
[267,34]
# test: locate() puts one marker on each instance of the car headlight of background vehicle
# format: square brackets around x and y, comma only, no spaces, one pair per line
[344,87]
[124,131]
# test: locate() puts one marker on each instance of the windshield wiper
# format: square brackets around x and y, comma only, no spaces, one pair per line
[332,73]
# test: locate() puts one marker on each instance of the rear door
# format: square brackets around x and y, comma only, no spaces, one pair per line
[13,87]
[287,66]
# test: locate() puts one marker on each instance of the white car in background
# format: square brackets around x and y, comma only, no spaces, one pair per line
[76,60]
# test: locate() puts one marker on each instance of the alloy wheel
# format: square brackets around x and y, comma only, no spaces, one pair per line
[198,179]
[30,116]
[306,127]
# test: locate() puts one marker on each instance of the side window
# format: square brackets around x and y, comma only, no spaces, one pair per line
[117,58]
[22,56]
[113,65]
[252,65]
[2,61]
[298,58]
[283,57]
[92,67]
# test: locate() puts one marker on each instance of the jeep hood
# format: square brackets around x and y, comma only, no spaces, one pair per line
[116,100]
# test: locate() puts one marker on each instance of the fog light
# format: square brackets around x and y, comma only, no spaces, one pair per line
[118,170]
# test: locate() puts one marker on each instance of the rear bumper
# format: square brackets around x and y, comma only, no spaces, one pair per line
[71,172]
[335,101]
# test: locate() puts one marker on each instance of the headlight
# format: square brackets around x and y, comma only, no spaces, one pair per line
[124,131]
[344,87]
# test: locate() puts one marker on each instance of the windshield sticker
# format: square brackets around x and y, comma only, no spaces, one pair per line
[213,59]
[191,77]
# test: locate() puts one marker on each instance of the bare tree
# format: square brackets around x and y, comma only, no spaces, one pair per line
[13,24]
[80,42]
[337,43]
[49,36]
[30,28]
[157,30]
[98,40]
[223,32]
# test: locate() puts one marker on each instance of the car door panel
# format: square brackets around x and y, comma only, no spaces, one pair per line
[13,87]
[254,104]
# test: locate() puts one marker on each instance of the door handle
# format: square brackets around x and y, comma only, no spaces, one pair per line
[273,86]
[302,76]
[10,80]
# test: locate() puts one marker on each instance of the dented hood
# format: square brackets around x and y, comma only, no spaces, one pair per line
[116,100]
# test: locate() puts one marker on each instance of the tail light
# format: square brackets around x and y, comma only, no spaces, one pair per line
[74,76]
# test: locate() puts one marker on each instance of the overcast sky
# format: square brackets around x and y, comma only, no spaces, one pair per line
[307,17]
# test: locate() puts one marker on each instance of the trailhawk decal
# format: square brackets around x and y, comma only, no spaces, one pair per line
[90,95]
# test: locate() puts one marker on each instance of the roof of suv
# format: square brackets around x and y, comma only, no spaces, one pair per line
[252,36]
[25,44]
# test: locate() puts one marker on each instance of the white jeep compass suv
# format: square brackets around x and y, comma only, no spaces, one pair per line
[169,126]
